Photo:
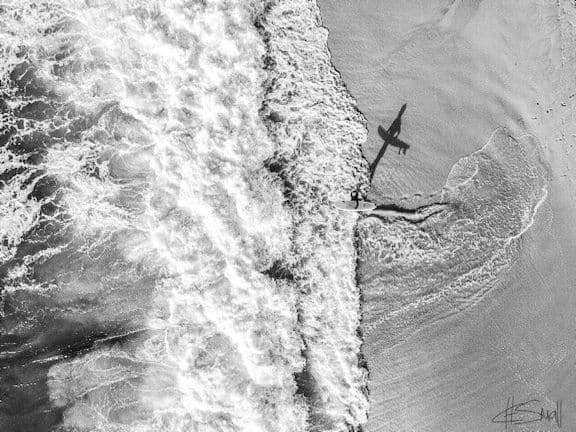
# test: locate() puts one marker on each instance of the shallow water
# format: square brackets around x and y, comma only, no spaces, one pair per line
[417,272]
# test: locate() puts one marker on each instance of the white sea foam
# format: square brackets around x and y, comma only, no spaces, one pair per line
[164,216]
[318,132]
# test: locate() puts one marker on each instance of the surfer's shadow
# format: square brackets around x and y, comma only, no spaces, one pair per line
[390,138]
[392,141]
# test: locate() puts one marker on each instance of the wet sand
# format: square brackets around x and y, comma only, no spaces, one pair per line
[457,89]
[465,68]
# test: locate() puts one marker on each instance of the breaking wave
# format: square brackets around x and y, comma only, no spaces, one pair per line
[169,256]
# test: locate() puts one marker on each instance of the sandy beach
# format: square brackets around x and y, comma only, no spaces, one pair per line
[465,69]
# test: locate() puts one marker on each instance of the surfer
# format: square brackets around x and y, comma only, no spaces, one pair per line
[356,203]
[354,198]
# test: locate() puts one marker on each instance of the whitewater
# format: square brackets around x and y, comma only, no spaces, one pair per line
[169,257]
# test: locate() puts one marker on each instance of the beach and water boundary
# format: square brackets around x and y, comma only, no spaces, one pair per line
[452,375]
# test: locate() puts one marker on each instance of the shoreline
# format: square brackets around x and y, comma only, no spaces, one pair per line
[328,127]
[441,367]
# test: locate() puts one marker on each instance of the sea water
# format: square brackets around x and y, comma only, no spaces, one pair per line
[169,257]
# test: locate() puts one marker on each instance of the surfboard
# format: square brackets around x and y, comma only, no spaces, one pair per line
[355,206]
